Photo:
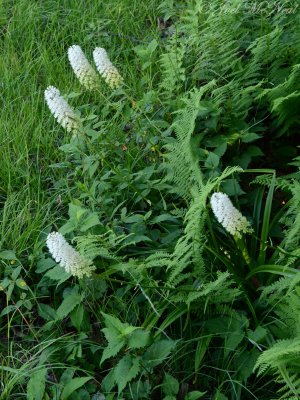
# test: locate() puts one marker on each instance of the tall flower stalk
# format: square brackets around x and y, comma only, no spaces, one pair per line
[61,110]
[67,257]
[106,69]
[228,216]
[85,73]
[232,221]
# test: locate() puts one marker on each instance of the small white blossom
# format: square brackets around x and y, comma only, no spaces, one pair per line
[106,69]
[61,110]
[68,258]
[85,73]
[228,216]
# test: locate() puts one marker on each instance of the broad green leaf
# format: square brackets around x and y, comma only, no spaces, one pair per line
[66,376]
[231,187]
[58,274]
[36,384]
[44,264]
[112,349]
[212,160]
[7,310]
[77,316]
[91,220]
[245,362]
[73,385]
[220,150]
[127,369]
[170,385]
[138,338]
[68,227]
[46,312]
[220,396]
[8,255]
[16,272]
[162,218]
[76,212]
[158,352]
[109,381]
[68,304]
[113,323]
[257,335]
[195,395]
[248,137]
[21,284]
[233,339]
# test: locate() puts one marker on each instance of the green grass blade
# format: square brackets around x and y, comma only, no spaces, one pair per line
[266,224]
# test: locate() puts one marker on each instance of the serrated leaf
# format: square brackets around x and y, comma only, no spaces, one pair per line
[109,381]
[212,160]
[36,385]
[112,349]
[113,323]
[68,304]
[46,312]
[138,339]
[158,352]
[91,220]
[73,385]
[126,369]
[76,212]
[58,274]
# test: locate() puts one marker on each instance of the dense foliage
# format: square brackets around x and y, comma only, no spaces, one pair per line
[180,301]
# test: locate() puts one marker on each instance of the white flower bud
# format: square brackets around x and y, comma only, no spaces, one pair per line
[68,258]
[85,73]
[61,110]
[106,69]
[228,216]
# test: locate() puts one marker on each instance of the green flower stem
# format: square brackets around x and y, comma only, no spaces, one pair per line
[243,249]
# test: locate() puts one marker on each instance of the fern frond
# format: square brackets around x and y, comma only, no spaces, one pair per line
[92,246]
[173,71]
[279,355]
[182,164]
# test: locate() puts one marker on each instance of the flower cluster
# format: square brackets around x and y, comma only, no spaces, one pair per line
[83,70]
[106,69]
[61,110]
[68,258]
[228,216]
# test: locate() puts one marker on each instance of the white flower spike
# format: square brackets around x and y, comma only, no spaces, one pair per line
[228,216]
[61,110]
[68,258]
[106,69]
[85,73]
